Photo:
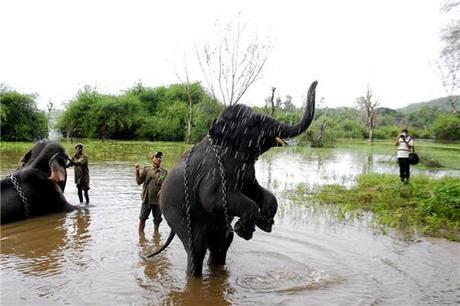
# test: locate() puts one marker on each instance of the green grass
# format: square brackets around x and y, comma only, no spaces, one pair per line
[136,151]
[429,206]
[432,154]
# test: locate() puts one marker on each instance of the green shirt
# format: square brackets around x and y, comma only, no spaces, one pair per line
[152,179]
[81,170]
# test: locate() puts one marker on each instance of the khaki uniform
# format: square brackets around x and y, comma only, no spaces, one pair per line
[152,178]
[81,171]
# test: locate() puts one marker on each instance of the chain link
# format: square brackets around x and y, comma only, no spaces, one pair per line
[21,194]
[224,187]
[188,211]
[187,199]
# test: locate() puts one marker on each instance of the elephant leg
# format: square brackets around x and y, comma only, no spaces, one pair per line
[268,207]
[238,205]
[195,260]
[218,244]
[242,206]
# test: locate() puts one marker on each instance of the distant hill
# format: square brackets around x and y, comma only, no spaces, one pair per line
[442,103]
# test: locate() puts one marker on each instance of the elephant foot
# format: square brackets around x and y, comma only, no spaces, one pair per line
[244,230]
[265,223]
[214,260]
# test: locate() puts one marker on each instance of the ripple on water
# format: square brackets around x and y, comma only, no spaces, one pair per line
[284,276]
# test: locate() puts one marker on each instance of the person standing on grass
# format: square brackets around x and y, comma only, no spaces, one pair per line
[404,144]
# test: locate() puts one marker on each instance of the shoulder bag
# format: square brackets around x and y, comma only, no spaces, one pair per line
[413,157]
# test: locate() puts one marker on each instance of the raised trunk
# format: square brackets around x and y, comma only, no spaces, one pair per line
[288,131]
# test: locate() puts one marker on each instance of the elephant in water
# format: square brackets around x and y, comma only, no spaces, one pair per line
[36,187]
[215,182]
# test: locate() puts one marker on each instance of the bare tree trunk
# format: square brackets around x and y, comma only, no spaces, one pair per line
[232,64]
[453,103]
[190,116]
[271,101]
[369,105]
[188,90]
[449,60]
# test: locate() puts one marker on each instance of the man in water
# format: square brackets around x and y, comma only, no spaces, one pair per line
[151,177]
[80,162]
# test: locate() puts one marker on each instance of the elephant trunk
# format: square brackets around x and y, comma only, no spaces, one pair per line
[288,131]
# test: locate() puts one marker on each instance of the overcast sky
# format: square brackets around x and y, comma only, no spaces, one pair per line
[54,48]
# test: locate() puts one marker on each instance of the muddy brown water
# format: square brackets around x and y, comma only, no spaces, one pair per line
[92,256]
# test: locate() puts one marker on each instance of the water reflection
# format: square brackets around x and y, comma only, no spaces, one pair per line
[41,244]
[156,272]
[78,235]
[213,289]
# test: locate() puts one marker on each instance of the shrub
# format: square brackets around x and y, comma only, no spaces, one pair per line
[20,118]
[447,127]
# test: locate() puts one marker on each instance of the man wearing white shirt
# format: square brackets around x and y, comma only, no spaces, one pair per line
[404,143]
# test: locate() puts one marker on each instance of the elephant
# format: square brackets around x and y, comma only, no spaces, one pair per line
[36,187]
[215,182]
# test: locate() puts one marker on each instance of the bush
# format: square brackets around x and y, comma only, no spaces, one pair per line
[386,132]
[117,118]
[350,129]
[204,114]
[430,205]
[320,134]
[20,118]
[447,127]
[78,120]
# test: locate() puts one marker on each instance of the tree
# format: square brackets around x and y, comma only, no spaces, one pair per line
[448,63]
[447,127]
[190,91]
[368,105]
[20,118]
[234,62]
[270,102]
[78,118]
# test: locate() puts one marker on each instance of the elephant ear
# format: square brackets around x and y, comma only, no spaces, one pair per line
[25,159]
[58,172]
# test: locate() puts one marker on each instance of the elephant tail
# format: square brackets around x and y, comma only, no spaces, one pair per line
[164,246]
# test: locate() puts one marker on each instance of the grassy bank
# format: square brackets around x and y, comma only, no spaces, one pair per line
[136,151]
[432,154]
[429,206]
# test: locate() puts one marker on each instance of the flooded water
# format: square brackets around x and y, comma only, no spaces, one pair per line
[92,256]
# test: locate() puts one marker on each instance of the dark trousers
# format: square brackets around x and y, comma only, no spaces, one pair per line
[404,169]
[156,213]
[80,195]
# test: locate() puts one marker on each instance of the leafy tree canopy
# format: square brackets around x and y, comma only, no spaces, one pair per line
[20,118]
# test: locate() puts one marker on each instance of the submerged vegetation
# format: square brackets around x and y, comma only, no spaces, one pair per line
[427,205]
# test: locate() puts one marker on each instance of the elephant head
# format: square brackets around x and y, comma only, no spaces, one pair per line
[252,134]
[37,186]
[216,182]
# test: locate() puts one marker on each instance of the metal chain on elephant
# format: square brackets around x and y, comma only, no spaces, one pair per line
[188,210]
[21,194]
[224,186]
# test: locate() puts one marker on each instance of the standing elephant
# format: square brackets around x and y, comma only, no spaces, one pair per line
[216,181]
[36,187]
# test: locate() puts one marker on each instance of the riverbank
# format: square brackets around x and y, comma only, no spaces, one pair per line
[425,206]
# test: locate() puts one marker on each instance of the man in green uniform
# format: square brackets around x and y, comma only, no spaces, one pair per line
[80,163]
[151,177]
